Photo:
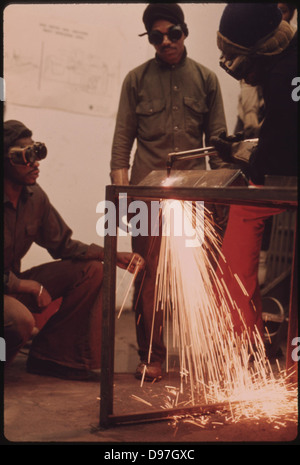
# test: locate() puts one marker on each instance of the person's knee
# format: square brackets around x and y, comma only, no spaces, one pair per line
[95,272]
[18,324]
[17,317]
[90,272]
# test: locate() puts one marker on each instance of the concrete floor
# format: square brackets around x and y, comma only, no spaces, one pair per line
[45,410]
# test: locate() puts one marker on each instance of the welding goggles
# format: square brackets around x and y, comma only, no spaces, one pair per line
[238,67]
[27,155]
[156,37]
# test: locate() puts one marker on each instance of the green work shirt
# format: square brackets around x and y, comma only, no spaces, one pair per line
[166,108]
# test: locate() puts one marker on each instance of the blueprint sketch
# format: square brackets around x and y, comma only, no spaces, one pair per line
[53,65]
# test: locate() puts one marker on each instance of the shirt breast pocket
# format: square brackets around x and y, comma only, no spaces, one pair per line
[194,114]
[151,120]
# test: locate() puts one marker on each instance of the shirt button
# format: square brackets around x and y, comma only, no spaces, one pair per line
[175,107]
[176,128]
[175,87]
[151,110]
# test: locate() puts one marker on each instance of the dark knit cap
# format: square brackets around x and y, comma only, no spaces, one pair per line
[246,23]
[168,11]
[14,130]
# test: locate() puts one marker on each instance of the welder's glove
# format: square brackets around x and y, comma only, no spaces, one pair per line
[234,149]
[224,145]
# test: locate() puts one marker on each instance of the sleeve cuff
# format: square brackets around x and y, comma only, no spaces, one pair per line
[11,282]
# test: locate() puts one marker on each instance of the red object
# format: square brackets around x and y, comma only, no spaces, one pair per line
[42,318]
[241,248]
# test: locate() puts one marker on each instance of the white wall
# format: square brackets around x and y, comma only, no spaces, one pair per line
[77,167]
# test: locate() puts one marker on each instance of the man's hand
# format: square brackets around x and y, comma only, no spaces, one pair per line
[43,298]
[119,177]
[130,261]
[234,149]
[29,286]
[224,145]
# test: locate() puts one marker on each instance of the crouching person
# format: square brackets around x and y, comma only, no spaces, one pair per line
[69,344]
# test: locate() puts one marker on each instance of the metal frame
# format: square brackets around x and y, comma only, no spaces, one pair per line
[285,197]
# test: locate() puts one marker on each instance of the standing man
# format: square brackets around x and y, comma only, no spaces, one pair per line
[69,344]
[170,103]
[260,47]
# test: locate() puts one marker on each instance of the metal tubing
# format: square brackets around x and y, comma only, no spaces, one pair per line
[189,155]
[167,414]
[108,322]
[292,363]
[263,196]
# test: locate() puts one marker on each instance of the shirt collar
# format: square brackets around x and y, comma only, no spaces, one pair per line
[27,191]
[162,63]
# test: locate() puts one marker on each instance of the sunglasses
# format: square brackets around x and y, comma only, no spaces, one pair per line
[156,37]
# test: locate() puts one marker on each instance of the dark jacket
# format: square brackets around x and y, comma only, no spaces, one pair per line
[276,153]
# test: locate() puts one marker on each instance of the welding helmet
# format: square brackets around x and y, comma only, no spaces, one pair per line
[238,67]
[248,31]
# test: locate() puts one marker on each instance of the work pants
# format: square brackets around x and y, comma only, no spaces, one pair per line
[241,248]
[72,336]
[149,320]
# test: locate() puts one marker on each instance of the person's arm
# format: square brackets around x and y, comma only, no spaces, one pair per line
[250,107]
[55,236]
[119,177]
[215,122]
[58,239]
[14,285]
[277,149]
[125,133]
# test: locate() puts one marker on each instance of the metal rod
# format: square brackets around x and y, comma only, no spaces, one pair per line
[262,196]
[192,157]
[189,155]
[202,150]
[108,322]
[291,362]
[167,414]
[197,153]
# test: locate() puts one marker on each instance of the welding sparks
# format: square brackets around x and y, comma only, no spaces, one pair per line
[140,400]
[215,362]
[132,278]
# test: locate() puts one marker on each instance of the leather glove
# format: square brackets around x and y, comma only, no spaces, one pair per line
[234,149]
[223,144]
[119,177]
